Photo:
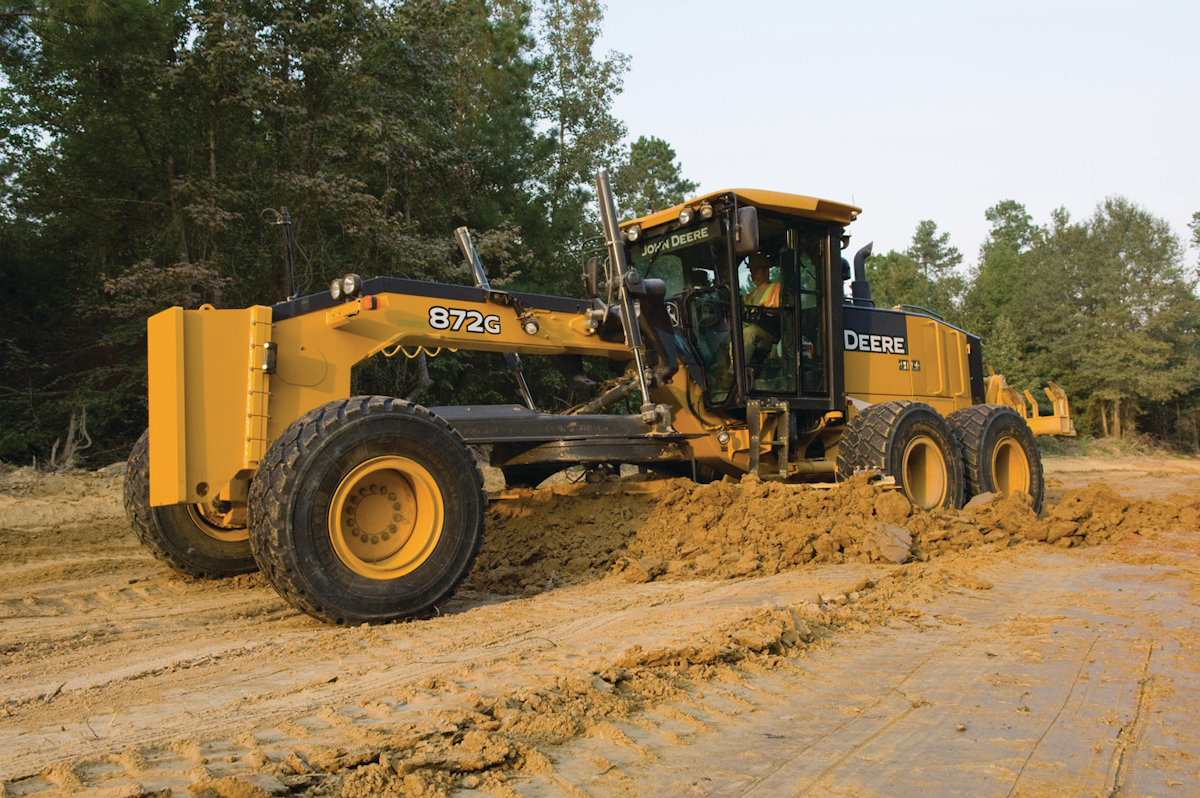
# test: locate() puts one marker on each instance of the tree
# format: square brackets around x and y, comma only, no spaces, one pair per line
[933,252]
[1012,226]
[574,93]
[998,278]
[1136,336]
[572,97]
[1102,306]
[1195,227]
[649,179]
[146,141]
[923,275]
[896,279]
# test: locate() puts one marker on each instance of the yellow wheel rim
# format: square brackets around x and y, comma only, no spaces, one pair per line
[1010,467]
[217,525]
[386,518]
[924,472]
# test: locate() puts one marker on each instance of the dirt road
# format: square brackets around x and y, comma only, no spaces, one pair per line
[631,639]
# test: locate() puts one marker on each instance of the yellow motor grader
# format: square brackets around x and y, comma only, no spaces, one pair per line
[725,316]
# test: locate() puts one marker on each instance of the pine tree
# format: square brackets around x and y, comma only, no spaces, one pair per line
[649,179]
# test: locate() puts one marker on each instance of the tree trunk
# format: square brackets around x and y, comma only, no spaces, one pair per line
[1116,425]
[1104,419]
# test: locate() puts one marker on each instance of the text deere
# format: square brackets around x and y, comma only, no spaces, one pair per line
[892,345]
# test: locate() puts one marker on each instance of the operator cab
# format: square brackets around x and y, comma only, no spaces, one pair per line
[752,293]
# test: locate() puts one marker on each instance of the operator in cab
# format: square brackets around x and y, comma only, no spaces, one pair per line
[761,329]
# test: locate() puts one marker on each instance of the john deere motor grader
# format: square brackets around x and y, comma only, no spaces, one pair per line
[725,315]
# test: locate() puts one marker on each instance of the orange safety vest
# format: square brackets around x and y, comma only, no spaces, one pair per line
[765,295]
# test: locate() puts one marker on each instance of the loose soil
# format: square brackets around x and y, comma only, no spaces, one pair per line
[632,637]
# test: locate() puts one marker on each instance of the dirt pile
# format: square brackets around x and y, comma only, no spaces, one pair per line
[675,528]
[42,514]
[30,498]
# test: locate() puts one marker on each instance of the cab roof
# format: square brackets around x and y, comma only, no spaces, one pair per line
[791,204]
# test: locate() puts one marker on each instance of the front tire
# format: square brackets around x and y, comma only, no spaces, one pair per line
[368,509]
[911,442]
[192,539]
[999,452]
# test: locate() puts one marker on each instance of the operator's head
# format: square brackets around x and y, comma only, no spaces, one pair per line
[760,268]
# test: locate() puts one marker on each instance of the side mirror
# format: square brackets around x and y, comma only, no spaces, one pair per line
[745,235]
[591,278]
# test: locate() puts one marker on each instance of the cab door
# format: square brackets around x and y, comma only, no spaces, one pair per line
[784,311]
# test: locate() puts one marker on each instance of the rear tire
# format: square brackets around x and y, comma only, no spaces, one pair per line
[911,442]
[999,452]
[180,535]
[369,509]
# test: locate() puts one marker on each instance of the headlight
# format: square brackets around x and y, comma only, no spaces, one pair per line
[335,289]
[686,216]
[351,285]
[706,211]
[633,233]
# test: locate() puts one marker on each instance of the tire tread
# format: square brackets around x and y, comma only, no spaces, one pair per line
[969,427]
[867,439]
[136,498]
[268,511]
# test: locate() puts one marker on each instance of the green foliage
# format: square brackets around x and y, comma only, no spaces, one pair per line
[649,179]
[1104,307]
[146,146]
[924,275]
[571,101]
[147,143]
[574,92]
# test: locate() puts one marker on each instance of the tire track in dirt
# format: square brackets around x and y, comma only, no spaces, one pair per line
[135,677]
[571,635]
[995,666]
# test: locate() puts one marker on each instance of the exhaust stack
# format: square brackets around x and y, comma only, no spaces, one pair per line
[860,286]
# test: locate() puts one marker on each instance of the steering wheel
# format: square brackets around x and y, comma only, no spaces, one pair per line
[708,312]
[754,314]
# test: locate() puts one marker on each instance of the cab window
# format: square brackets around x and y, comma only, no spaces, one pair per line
[683,259]
[781,293]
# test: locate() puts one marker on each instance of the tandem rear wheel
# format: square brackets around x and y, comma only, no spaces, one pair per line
[368,509]
[911,442]
[195,539]
[999,452]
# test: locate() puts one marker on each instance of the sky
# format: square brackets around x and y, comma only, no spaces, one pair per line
[923,110]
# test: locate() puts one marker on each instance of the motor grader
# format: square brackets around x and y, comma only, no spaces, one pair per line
[371,508]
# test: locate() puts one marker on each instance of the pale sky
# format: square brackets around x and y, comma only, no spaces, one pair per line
[929,110]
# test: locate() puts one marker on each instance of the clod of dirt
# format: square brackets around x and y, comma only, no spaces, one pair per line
[888,543]
[249,785]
